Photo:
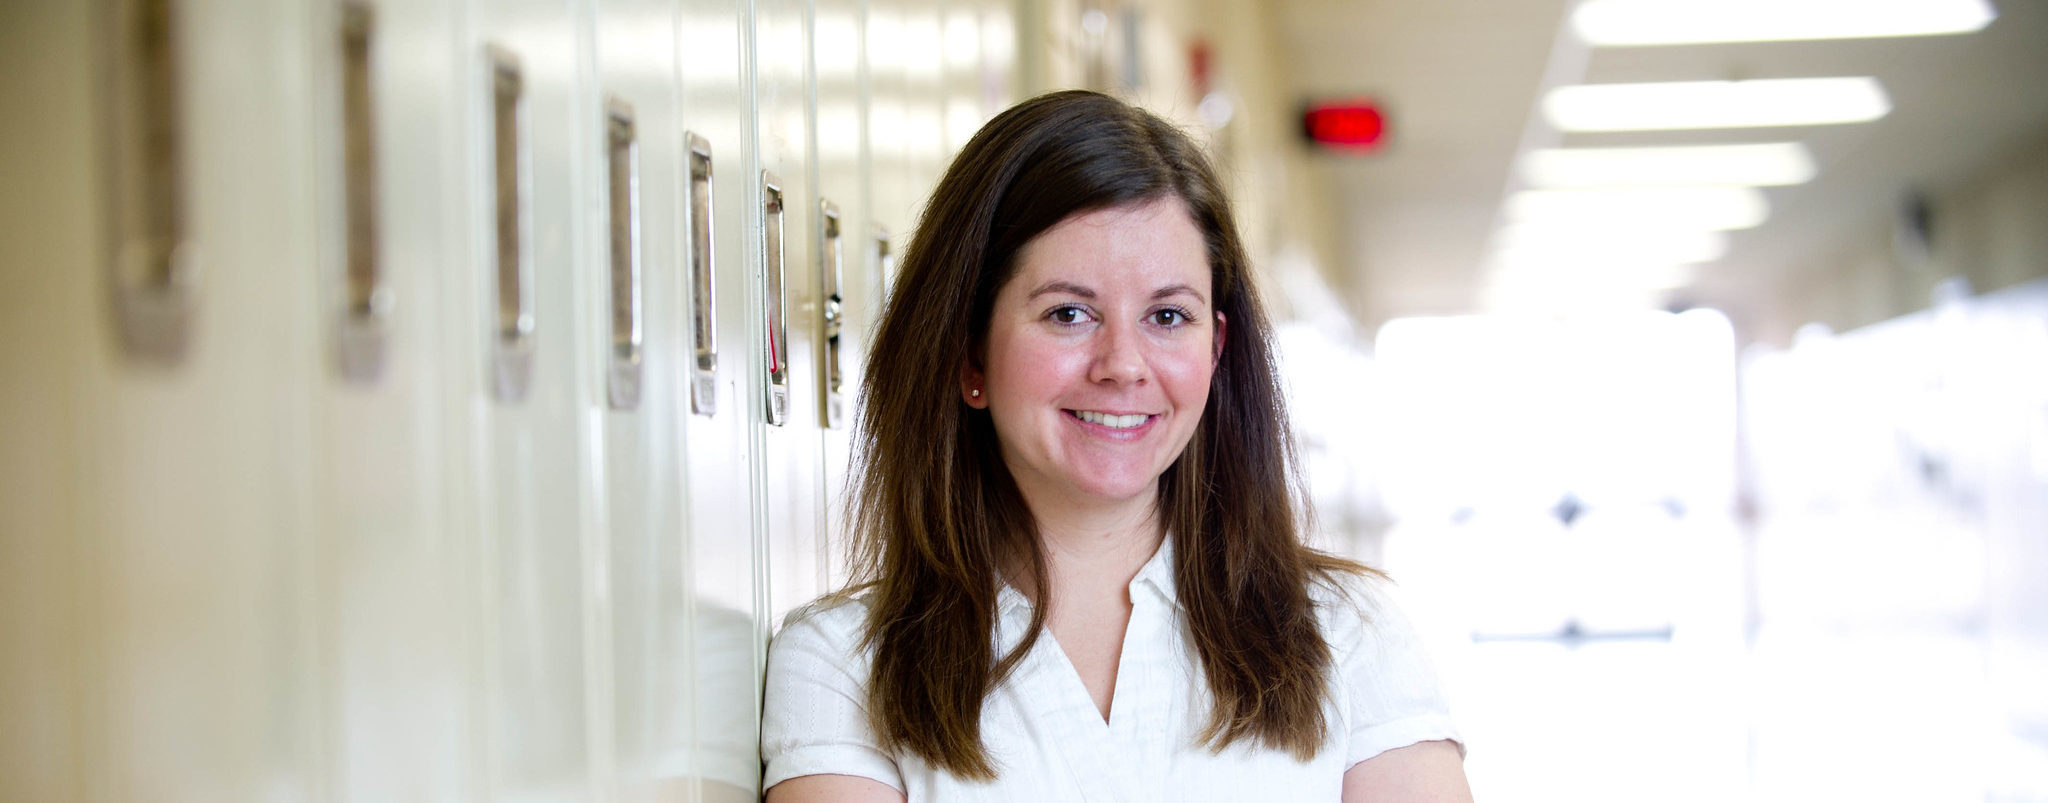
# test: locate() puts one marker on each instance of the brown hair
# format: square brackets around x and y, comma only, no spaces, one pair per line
[936,516]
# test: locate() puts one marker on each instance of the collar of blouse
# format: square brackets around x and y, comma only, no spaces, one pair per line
[1156,575]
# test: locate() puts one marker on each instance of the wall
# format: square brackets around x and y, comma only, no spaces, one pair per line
[1986,231]
[1286,229]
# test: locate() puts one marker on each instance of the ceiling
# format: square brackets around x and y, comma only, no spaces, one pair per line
[1460,79]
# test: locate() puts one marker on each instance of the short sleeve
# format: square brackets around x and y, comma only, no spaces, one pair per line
[814,710]
[1391,694]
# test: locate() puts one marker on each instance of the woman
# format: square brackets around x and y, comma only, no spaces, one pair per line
[1079,558]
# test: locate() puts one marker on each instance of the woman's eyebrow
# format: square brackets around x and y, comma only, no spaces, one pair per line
[1178,289]
[1058,286]
[1069,288]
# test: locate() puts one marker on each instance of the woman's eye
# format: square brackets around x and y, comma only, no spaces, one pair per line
[1068,315]
[1169,317]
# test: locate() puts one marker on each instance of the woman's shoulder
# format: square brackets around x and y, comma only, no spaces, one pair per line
[831,629]
[1353,606]
[1386,686]
[814,717]
[818,654]
[838,619]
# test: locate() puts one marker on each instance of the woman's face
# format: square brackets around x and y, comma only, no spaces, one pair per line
[1099,354]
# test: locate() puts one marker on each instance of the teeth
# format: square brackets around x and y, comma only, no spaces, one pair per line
[1111,421]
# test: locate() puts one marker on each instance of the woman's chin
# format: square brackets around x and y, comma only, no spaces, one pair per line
[1117,493]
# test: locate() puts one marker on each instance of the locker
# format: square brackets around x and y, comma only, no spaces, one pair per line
[393,576]
[725,573]
[170,550]
[534,192]
[960,81]
[924,103]
[787,278]
[643,317]
[50,203]
[891,206]
[841,177]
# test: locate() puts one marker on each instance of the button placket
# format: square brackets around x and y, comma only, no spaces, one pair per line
[1144,716]
[1097,761]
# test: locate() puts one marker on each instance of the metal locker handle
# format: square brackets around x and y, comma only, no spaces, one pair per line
[830,272]
[623,156]
[704,384]
[363,333]
[512,349]
[153,264]
[776,302]
[885,264]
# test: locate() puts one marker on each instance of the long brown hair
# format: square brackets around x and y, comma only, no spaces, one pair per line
[936,516]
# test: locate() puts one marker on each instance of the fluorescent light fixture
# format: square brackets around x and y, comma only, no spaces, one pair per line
[1574,287]
[1534,243]
[1761,165]
[1716,104]
[1620,23]
[1663,208]
[1584,279]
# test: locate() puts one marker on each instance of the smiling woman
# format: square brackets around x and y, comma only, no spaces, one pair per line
[1098,357]
[1079,567]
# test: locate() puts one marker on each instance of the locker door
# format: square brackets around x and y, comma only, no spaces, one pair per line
[892,206]
[391,572]
[960,26]
[726,618]
[156,257]
[535,197]
[843,234]
[49,314]
[924,102]
[644,353]
[998,78]
[792,483]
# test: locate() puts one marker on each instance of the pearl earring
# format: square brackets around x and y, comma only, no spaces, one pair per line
[976,393]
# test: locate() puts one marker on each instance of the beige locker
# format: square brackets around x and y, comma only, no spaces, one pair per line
[533,214]
[727,614]
[960,75]
[844,241]
[49,268]
[891,205]
[786,277]
[997,77]
[393,569]
[162,472]
[924,104]
[646,374]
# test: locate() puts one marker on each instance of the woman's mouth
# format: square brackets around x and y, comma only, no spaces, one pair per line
[1111,420]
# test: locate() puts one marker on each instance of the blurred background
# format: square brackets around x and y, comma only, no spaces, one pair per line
[447,399]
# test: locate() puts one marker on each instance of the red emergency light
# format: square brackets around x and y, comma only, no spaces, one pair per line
[1355,126]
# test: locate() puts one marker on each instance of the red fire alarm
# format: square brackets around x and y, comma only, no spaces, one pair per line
[1351,126]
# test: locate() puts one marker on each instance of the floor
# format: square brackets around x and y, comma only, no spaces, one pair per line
[1837,656]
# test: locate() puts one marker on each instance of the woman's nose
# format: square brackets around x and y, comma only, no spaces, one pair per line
[1119,355]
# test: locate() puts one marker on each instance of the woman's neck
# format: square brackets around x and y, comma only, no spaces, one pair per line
[1093,551]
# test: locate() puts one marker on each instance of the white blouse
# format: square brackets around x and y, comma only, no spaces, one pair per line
[1050,742]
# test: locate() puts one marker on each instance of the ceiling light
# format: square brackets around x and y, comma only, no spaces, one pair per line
[1670,22]
[1762,165]
[1581,278]
[1564,287]
[1715,104]
[1709,208]
[1531,243]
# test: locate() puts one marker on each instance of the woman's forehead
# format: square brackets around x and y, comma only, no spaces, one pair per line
[1151,247]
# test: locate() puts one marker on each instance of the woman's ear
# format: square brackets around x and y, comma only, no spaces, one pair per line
[971,380]
[1222,324]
